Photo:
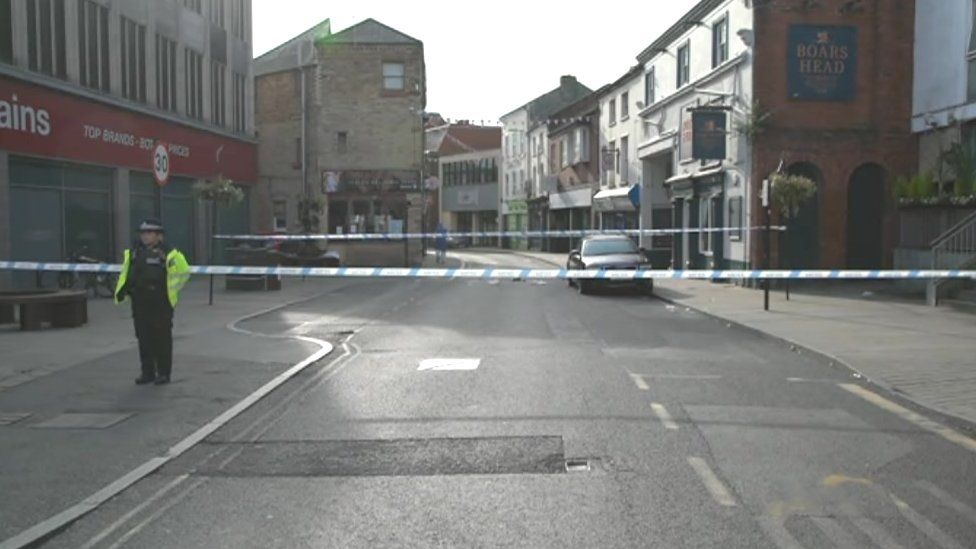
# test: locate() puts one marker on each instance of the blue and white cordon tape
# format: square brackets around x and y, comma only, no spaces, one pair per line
[501,273]
[578,233]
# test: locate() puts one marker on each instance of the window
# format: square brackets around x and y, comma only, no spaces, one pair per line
[623,166]
[614,163]
[393,77]
[298,154]
[165,73]
[240,19]
[706,220]
[625,105]
[613,111]
[6,33]
[240,97]
[563,158]
[193,78]
[342,142]
[93,45]
[217,12]
[571,148]
[684,64]
[553,157]
[649,88]
[971,58]
[46,51]
[735,218]
[194,5]
[218,93]
[720,42]
[279,209]
[584,144]
[133,60]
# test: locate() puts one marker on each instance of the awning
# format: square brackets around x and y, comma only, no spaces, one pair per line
[613,200]
[697,175]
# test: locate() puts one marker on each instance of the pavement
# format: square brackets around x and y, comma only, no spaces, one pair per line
[504,413]
[925,353]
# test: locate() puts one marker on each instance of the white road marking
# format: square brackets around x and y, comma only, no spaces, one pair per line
[135,511]
[155,514]
[925,423]
[683,376]
[948,500]
[712,483]
[92,502]
[662,413]
[806,380]
[933,532]
[448,364]
[835,532]
[639,381]
[877,533]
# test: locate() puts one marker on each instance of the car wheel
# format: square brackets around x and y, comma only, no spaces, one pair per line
[645,287]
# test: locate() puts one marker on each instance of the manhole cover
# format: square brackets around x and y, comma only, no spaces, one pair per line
[11,418]
[82,421]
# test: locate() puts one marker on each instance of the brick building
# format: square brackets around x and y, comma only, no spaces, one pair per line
[848,129]
[352,144]
[98,86]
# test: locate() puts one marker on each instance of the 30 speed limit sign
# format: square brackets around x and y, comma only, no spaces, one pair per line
[160,163]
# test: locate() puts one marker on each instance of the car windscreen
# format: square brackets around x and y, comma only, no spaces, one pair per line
[607,247]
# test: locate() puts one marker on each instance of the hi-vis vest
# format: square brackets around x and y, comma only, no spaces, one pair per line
[177,274]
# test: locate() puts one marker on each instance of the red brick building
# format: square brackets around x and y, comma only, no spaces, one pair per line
[853,139]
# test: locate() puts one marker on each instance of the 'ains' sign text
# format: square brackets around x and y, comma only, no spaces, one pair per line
[822,62]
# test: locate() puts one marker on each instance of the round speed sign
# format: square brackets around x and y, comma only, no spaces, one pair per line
[160,164]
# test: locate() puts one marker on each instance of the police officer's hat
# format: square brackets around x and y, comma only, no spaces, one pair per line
[151,225]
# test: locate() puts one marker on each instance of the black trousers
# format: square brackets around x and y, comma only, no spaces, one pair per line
[154,329]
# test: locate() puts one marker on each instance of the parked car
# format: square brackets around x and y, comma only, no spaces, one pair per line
[304,253]
[609,252]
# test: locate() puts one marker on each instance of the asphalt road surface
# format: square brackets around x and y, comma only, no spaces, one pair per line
[471,413]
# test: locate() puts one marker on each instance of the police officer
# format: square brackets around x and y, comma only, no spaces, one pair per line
[152,276]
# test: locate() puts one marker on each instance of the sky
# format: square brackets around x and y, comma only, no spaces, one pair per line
[485,59]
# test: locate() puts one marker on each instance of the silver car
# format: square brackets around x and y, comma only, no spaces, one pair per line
[609,252]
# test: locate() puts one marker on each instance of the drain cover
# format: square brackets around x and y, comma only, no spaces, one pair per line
[578,465]
[82,421]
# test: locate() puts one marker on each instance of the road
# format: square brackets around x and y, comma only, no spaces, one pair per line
[608,420]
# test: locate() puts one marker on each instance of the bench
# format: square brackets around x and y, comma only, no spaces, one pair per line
[60,308]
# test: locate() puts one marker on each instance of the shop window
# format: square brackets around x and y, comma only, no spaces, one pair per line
[193,78]
[280,213]
[46,48]
[165,73]
[735,219]
[133,51]
[6,33]
[178,214]
[144,197]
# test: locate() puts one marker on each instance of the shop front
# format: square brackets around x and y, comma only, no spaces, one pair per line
[516,216]
[615,209]
[698,202]
[77,176]
[569,210]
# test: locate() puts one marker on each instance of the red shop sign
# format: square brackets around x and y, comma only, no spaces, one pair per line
[39,121]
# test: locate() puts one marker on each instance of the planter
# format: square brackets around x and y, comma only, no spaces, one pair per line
[919,225]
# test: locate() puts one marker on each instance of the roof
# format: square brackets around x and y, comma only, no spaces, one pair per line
[696,13]
[467,139]
[286,55]
[568,91]
[629,75]
[371,31]
[578,109]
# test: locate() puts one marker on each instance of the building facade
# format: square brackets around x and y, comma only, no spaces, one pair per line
[357,135]
[470,157]
[89,90]
[620,175]
[513,180]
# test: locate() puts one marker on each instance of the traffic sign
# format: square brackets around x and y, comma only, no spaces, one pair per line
[160,164]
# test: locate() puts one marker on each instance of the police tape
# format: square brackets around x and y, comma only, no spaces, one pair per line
[515,273]
[578,233]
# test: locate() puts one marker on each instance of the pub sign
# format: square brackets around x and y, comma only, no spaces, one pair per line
[709,134]
[822,62]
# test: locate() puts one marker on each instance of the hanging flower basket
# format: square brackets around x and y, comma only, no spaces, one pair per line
[790,192]
[220,190]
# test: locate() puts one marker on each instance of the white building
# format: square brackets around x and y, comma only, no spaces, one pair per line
[620,168]
[703,60]
[514,167]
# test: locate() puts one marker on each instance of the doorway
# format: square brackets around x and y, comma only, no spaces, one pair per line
[865,218]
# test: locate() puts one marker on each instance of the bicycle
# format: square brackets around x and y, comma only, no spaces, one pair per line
[100,284]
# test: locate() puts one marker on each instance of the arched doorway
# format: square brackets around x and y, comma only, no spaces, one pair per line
[799,248]
[865,217]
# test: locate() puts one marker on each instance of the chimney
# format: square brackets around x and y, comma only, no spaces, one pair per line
[566,80]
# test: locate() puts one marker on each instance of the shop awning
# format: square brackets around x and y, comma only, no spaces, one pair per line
[697,175]
[578,198]
[612,193]
[613,200]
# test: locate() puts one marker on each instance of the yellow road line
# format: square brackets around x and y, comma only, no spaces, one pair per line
[925,423]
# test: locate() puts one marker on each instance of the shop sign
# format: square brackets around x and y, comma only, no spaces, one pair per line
[822,62]
[709,134]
